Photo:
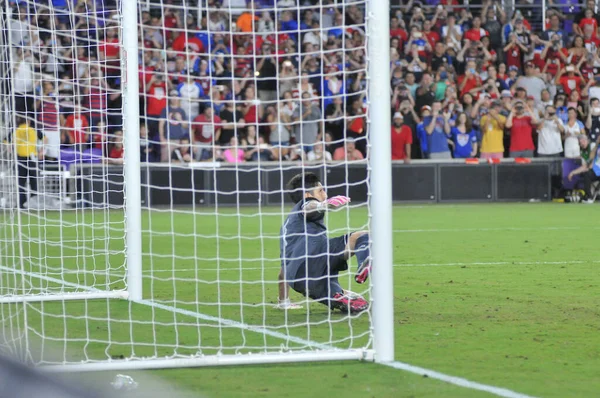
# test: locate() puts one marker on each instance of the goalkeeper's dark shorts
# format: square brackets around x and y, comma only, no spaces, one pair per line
[317,278]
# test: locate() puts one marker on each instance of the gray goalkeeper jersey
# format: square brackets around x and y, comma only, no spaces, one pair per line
[302,239]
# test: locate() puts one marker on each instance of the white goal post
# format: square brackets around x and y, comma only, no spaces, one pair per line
[87,285]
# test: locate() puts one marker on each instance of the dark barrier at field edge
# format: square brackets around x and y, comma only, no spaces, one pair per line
[251,184]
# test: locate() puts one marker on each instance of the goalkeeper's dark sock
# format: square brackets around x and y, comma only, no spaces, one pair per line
[361,249]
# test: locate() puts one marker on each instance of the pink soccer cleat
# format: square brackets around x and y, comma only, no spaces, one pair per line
[354,303]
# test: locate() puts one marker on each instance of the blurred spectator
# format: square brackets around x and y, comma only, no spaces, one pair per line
[464,139]
[190,93]
[76,128]
[402,139]
[156,100]
[280,134]
[437,127]
[182,152]
[96,99]
[532,83]
[591,175]
[115,153]
[232,122]
[23,84]
[147,153]
[550,132]
[49,120]
[233,154]
[570,82]
[206,132]
[266,73]
[173,126]
[573,130]
[521,122]
[306,122]
[260,151]
[492,129]
[319,154]
[593,120]
[246,21]
[25,141]
[348,152]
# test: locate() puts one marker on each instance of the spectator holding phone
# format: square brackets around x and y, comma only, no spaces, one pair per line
[521,122]
[437,127]
[550,132]
[492,130]
[573,130]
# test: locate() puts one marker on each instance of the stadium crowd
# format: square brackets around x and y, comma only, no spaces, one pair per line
[243,80]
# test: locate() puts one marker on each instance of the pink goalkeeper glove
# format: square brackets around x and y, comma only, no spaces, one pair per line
[338,201]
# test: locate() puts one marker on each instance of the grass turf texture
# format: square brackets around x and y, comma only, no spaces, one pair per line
[528,322]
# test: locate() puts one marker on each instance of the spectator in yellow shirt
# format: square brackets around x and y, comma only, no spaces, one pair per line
[25,140]
[492,129]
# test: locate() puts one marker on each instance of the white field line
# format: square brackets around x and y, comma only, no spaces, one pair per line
[254,237]
[482,263]
[492,229]
[457,381]
[239,325]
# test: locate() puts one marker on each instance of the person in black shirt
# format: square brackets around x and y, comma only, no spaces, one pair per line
[266,68]
[592,124]
[230,118]
[425,94]
[439,57]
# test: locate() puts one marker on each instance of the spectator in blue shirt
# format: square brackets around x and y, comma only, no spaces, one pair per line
[464,138]
[422,133]
[438,130]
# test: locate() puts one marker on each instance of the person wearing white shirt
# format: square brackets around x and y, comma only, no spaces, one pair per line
[190,93]
[573,130]
[316,37]
[550,132]
[319,154]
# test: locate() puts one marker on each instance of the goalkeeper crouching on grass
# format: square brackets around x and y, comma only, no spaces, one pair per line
[310,260]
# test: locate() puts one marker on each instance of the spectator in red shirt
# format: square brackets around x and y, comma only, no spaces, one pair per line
[513,52]
[206,129]
[431,36]
[115,152]
[476,32]
[397,31]
[109,52]
[591,40]
[470,82]
[554,54]
[156,101]
[401,139]
[589,20]
[572,81]
[188,39]
[76,127]
[521,122]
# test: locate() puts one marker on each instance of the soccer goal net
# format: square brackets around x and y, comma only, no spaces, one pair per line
[144,160]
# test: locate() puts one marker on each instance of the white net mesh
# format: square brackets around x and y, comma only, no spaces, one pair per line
[235,99]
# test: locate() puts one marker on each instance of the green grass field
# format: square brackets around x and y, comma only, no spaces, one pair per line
[505,295]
